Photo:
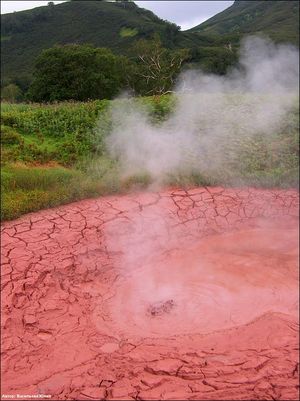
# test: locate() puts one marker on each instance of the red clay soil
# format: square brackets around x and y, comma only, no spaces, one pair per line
[171,295]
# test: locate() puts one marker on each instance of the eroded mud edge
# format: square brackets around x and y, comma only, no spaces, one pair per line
[51,344]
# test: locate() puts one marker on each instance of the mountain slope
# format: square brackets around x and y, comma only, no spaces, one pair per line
[118,25]
[25,34]
[277,19]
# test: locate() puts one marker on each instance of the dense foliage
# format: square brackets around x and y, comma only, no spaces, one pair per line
[53,154]
[154,68]
[277,19]
[82,72]
[117,26]
[25,34]
[11,93]
[214,60]
[64,132]
[75,72]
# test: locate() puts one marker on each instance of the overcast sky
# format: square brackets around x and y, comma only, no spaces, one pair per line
[184,13]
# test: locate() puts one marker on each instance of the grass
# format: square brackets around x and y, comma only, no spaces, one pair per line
[3,38]
[276,19]
[128,32]
[28,188]
[55,154]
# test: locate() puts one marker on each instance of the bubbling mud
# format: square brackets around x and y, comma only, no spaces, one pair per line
[161,308]
[179,294]
[218,282]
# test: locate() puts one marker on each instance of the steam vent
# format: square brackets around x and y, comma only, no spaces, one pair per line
[174,295]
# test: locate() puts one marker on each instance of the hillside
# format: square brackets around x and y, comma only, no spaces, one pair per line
[118,25]
[277,19]
[25,34]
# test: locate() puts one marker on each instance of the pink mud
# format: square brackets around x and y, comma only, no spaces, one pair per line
[177,295]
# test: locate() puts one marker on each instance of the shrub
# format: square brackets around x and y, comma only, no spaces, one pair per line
[9,136]
[8,118]
[126,32]
[11,93]
[75,72]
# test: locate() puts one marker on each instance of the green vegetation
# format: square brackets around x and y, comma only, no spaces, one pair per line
[75,72]
[58,132]
[277,19]
[97,23]
[54,154]
[11,93]
[3,38]
[118,26]
[153,69]
[10,137]
[82,72]
[128,32]
[213,59]
[26,189]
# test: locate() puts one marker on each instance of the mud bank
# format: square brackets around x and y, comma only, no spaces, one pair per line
[171,295]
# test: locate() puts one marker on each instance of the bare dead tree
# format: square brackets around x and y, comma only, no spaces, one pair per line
[156,68]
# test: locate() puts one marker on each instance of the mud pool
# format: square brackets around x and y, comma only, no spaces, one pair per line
[168,295]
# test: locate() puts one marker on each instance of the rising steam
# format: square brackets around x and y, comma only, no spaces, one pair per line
[214,121]
[213,115]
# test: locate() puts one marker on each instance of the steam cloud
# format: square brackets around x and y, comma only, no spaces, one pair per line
[213,115]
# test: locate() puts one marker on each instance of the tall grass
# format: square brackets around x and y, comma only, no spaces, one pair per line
[26,189]
[52,154]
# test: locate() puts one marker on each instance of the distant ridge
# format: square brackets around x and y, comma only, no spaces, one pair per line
[277,19]
[25,34]
[117,25]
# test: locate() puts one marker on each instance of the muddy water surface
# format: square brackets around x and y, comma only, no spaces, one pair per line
[170,295]
[221,281]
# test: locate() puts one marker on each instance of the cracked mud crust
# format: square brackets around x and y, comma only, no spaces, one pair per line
[176,295]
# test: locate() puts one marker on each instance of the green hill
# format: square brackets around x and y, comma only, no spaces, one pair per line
[118,25]
[277,19]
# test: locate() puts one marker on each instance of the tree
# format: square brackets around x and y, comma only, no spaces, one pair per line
[11,93]
[75,72]
[154,68]
[216,60]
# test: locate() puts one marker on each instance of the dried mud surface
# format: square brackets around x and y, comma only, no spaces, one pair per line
[188,295]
